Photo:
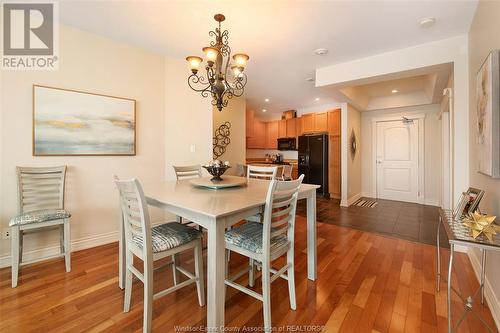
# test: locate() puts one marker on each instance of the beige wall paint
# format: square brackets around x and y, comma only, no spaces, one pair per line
[188,120]
[432,148]
[96,64]
[234,113]
[353,164]
[483,37]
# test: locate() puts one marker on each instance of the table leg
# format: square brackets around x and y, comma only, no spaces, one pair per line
[311,236]
[216,275]
[483,268]
[450,267]
[438,254]
[121,254]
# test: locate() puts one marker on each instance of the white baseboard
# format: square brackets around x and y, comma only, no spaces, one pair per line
[489,295]
[76,245]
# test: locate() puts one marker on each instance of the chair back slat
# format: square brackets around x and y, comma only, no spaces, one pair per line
[135,213]
[261,172]
[187,172]
[287,172]
[40,188]
[279,212]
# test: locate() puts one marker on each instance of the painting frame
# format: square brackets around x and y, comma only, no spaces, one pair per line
[133,111]
[488,115]
[468,203]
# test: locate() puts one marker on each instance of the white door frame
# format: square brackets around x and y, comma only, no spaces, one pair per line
[421,156]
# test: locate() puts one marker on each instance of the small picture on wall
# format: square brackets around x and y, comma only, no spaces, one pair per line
[68,122]
[488,115]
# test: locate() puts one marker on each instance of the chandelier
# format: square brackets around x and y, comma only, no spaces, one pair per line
[224,80]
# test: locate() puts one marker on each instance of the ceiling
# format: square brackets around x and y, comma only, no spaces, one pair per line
[280,36]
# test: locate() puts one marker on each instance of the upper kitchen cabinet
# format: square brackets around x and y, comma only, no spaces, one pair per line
[250,118]
[291,127]
[334,122]
[321,122]
[272,132]
[282,128]
[307,123]
[258,140]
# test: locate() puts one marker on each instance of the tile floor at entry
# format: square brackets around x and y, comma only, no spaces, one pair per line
[403,220]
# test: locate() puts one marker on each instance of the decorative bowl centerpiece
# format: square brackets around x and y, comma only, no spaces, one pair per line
[216,169]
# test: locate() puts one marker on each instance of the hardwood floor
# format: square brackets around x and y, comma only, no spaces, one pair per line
[404,220]
[366,283]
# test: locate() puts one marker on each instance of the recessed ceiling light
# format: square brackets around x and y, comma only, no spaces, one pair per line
[394,91]
[266,100]
[264,110]
[316,99]
[427,22]
[321,51]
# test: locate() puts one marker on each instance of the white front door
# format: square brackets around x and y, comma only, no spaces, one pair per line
[397,160]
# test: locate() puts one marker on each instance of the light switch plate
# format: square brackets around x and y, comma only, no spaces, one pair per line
[192,148]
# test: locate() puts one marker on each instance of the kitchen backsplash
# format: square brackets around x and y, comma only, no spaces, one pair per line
[258,153]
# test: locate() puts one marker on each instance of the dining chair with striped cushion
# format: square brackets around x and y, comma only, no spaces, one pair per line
[265,242]
[150,244]
[41,206]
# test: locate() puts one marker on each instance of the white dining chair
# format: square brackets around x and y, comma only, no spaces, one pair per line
[187,172]
[41,206]
[152,244]
[264,242]
[262,172]
[286,173]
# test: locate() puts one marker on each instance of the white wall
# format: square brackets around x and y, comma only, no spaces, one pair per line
[484,37]
[188,120]
[96,64]
[318,108]
[350,168]
[432,149]
[234,113]
[451,50]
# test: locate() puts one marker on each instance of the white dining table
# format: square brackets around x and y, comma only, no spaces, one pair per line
[216,210]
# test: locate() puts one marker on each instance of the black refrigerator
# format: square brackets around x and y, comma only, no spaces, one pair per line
[313,161]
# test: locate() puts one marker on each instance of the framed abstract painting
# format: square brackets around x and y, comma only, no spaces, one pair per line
[488,115]
[69,122]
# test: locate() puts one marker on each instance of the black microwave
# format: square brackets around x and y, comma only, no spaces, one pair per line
[287,144]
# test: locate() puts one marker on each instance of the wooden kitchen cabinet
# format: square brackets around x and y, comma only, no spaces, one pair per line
[291,127]
[321,122]
[258,140]
[308,123]
[298,127]
[282,128]
[334,166]
[334,122]
[272,132]
[249,122]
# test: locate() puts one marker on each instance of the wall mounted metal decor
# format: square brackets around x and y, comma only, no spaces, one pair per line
[221,139]
[353,144]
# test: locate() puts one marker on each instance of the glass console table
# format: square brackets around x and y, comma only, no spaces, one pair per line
[458,234]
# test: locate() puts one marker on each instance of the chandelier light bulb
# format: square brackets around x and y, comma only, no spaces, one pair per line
[211,54]
[236,70]
[194,63]
[241,59]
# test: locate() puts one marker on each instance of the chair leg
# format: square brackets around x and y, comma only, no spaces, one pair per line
[251,273]
[175,272]
[128,282]
[266,295]
[198,268]
[67,246]
[14,254]
[291,279]
[21,244]
[148,296]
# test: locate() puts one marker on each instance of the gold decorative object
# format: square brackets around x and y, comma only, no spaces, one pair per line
[481,224]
